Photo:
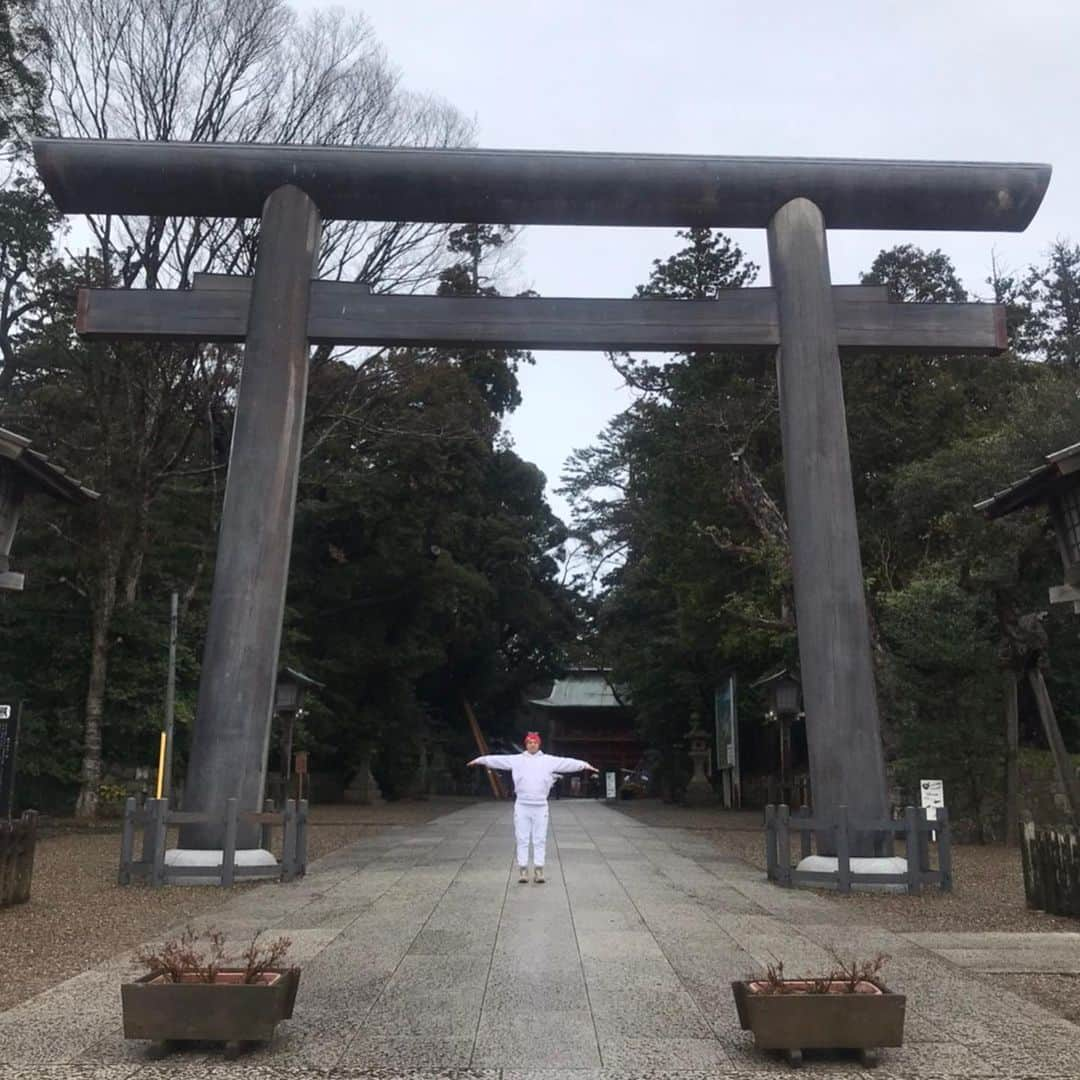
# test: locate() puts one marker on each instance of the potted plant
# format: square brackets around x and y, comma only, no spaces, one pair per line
[847,1008]
[193,990]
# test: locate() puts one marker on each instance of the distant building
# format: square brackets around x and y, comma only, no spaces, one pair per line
[24,471]
[585,717]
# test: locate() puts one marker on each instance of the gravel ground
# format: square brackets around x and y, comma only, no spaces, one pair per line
[77,915]
[988,894]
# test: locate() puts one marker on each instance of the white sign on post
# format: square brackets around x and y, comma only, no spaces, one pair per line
[932,795]
[610,785]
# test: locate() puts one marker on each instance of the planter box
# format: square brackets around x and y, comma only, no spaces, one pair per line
[799,1021]
[223,1011]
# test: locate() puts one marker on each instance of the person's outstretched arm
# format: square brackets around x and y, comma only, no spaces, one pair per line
[570,765]
[495,761]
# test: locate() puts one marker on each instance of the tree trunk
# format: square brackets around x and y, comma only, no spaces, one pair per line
[1012,770]
[90,774]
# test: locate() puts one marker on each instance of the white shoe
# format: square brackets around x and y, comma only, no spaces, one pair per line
[538,875]
[523,875]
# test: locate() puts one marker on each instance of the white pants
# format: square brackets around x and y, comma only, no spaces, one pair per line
[530,823]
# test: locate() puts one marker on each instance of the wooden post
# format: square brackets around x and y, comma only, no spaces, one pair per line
[127,842]
[288,845]
[911,838]
[770,843]
[944,851]
[239,665]
[481,745]
[228,854]
[288,722]
[1063,764]
[804,834]
[170,696]
[783,845]
[25,873]
[843,728]
[1012,765]
[266,833]
[843,851]
[301,837]
[787,793]
[159,808]
[924,834]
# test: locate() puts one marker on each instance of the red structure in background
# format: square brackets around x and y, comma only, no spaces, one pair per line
[584,717]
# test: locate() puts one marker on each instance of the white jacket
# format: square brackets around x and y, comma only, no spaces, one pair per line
[533,773]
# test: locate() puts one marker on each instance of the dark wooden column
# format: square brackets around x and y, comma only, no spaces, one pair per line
[239,663]
[843,729]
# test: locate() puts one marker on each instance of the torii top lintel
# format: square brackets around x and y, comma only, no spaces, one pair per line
[534,187]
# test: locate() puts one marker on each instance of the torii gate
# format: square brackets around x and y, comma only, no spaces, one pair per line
[279,313]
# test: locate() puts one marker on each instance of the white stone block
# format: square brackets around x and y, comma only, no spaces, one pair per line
[892,864]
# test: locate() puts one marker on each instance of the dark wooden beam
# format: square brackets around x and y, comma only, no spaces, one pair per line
[346,314]
[538,187]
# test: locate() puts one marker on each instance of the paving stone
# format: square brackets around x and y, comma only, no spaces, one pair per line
[562,991]
[69,1071]
[641,1053]
[646,974]
[1015,961]
[644,1013]
[945,1059]
[401,1053]
[539,1039]
[425,1016]
[604,946]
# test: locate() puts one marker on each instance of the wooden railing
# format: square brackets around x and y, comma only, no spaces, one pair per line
[17,842]
[1051,856]
[915,827]
[155,818]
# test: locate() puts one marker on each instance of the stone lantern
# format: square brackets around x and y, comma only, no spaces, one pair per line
[699,792]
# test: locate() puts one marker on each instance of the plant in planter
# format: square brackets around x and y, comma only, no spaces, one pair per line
[848,1007]
[194,991]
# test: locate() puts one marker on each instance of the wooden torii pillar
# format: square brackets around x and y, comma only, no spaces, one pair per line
[278,315]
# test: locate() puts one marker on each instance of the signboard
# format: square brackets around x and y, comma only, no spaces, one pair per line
[9,745]
[609,781]
[727,740]
[301,762]
[931,796]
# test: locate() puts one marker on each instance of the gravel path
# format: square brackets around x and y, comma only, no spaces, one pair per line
[78,916]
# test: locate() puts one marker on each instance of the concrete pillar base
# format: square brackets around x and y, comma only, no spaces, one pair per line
[892,864]
[188,857]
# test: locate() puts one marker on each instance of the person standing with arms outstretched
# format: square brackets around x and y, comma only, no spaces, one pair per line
[534,773]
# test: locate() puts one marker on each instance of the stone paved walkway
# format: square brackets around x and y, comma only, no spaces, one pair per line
[423,957]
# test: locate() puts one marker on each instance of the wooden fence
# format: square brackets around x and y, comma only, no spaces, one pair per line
[914,826]
[155,818]
[1051,856]
[17,841]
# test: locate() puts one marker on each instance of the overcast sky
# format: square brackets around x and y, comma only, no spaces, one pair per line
[937,79]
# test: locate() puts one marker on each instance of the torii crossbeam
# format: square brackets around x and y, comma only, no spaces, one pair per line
[281,311]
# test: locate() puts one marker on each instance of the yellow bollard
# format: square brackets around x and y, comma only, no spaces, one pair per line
[161,767]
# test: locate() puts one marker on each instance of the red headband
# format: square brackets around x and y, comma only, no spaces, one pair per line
[532,735]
